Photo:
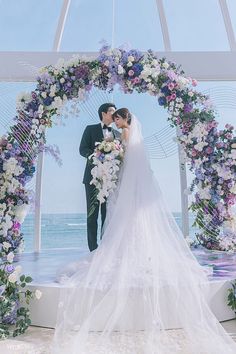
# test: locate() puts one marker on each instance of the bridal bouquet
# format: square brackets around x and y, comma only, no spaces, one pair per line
[106,159]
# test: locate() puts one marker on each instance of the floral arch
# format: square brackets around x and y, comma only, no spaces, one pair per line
[209,152]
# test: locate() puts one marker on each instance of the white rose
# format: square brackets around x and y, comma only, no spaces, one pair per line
[120,69]
[233,153]
[130,58]
[6,245]
[190,94]
[44,94]
[12,277]
[40,109]
[10,257]
[233,189]
[165,65]
[21,212]
[129,64]
[38,294]
[62,80]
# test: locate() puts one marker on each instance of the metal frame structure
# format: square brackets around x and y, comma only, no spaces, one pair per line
[205,66]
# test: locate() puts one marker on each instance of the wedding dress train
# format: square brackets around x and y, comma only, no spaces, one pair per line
[142,291]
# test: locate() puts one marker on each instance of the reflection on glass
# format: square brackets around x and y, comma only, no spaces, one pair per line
[232,11]
[135,23]
[196,25]
[28,25]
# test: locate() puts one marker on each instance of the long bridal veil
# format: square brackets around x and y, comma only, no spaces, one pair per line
[141,291]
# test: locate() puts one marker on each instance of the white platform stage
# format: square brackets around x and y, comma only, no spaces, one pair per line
[43,268]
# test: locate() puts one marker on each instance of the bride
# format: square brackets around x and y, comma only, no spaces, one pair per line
[142,291]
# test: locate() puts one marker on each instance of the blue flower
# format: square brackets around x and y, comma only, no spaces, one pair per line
[162,101]
[165,90]
[47,101]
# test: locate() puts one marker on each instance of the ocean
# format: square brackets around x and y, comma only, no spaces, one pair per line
[67,230]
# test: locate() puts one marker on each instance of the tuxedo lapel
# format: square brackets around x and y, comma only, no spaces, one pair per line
[99,133]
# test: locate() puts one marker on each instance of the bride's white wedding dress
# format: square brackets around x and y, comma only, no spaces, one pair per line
[142,291]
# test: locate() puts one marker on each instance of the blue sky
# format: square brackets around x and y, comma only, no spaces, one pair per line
[194,25]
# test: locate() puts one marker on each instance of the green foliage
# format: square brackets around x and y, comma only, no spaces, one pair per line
[232,296]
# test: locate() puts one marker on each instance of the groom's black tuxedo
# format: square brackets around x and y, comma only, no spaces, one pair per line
[92,134]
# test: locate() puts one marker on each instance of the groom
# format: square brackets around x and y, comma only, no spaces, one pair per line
[92,134]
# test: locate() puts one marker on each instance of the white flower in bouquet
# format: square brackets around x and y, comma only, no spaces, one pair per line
[44,94]
[13,277]
[130,58]
[8,222]
[224,173]
[57,103]
[200,146]
[106,159]
[40,109]
[6,245]
[21,212]
[10,165]
[38,294]
[232,155]
[53,89]
[120,70]
[204,193]
[22,99]
[182,82]
[233,189]
[10,257]
[165,65]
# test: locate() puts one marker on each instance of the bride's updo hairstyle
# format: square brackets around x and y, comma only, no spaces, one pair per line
[123,113]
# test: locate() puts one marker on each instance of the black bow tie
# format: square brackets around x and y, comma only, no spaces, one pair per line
[106,127]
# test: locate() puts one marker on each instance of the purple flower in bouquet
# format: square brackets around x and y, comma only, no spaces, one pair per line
[9,268]
[209,150]
[81,71]
[188,107]
[172,75]
[16,224]
[10,317]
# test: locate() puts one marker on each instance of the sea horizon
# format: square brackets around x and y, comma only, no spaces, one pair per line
[68,230]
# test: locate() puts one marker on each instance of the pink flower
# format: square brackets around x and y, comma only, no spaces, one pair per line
[229,136]
[229,127]
[171,86]
[194,153]
[209,150]
[16,225]
[173,96]
[168,98]
[136,80]
[178,120]
[131,73]
[194,82]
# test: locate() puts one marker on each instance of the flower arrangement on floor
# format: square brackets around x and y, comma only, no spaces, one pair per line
[211,153]
[106,159]
[232,296]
